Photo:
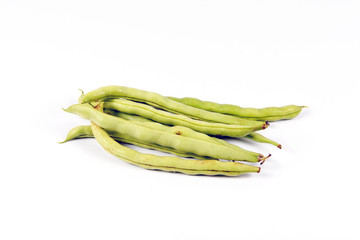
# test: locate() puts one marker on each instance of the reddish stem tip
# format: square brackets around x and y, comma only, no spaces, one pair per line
[259,170]
[263,160]
[279,146]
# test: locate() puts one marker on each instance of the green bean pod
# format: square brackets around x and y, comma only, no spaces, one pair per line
[170,164]
[187,131]
[178,130]
[160,101]
[184,131]
[84,131]
[283,117]
[262,139]
[267,114]
[146,111]
[176,141]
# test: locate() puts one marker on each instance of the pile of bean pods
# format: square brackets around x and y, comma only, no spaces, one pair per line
[186,127]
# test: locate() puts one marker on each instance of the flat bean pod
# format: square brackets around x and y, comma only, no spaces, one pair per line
[184,131]
[172,164]
[146,111]
[187,131]
[283,117]
[262,139]
[178,130]
[179,142]
[84,131]
[160,101]
[268,114]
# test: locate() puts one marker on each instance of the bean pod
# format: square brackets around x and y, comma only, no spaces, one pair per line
[179,142]
[162,102]
[84,131]
[267,114]
[220,129]
[171,164]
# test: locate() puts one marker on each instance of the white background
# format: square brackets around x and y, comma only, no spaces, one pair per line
[253,53]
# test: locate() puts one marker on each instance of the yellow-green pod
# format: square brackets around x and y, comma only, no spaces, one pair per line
[266,114]
[146,111]
[176,141]
[159,101]
[172,164]
[84,131]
